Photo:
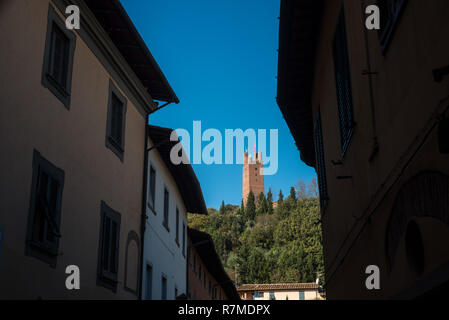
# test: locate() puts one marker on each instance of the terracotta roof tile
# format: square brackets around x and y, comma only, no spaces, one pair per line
[278,286]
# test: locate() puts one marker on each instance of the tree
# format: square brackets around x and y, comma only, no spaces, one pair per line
[302,189]
[313,188]
[242,208]
[280,197]
[222,207]
[259,271]
[261,204]
[279,248]
[292,195]
[269,202]
[250,211]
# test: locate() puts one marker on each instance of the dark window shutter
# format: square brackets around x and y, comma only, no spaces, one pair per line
[343,82]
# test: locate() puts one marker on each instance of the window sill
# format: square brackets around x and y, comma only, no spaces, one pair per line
[114,147]
[347,143]
[42,252]
[107,282]
[151,209]
[57,89]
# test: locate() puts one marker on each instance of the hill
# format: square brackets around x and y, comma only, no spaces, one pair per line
[262,244]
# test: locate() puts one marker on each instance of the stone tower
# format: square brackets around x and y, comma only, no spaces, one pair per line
[252,175]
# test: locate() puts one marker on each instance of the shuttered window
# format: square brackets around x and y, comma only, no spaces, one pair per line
[152,189]
[109,247]
[164,288]
[166,209]
[343,83]
[45,210]
[184,227]
[177,227]
[149,283]
[58,58]
[390,11]
[321,165]
[115,129]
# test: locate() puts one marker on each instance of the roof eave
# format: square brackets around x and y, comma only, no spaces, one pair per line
[299,29]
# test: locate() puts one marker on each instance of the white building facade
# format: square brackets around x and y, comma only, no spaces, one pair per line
[172,191]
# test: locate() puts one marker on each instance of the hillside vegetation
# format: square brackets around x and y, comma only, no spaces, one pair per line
[262,244]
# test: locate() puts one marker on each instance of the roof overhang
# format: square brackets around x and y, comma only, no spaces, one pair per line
[204,246]
[115,21]
[299,29]
[183,174]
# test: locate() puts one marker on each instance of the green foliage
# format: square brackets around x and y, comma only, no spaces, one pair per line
[222,207]
[266,245]
[269,202]
[250,210]
[292,195]
[280,197]
[262,206]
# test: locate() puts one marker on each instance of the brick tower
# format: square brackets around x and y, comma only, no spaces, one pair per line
[252,175]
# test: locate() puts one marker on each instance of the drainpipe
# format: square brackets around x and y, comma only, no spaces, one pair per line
[144,204]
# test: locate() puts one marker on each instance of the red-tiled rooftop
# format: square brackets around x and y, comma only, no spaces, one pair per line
[277,287]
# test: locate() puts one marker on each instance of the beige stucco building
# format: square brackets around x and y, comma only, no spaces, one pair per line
[368,109]
[74,108]
[280,291]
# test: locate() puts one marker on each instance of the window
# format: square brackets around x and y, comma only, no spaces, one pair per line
[177,227]
[164,288]
[194,263]
[184,240]
[272,296]
[302,295]
[115,133]
[1,243]
[321,165]
[58,58]
[166,208]
[108,254]
[258,295]
[343,83]
[132,263]
[149,283]
[44,218]
[152,188]
[176,292]
[390,12]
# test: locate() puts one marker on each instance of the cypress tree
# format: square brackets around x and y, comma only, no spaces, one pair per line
[269,202]
[250,211]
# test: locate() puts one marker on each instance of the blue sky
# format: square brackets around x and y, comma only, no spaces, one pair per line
[220,58]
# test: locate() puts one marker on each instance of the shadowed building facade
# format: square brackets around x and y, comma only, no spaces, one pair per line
[73,119]
[206,277]
[368,110]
